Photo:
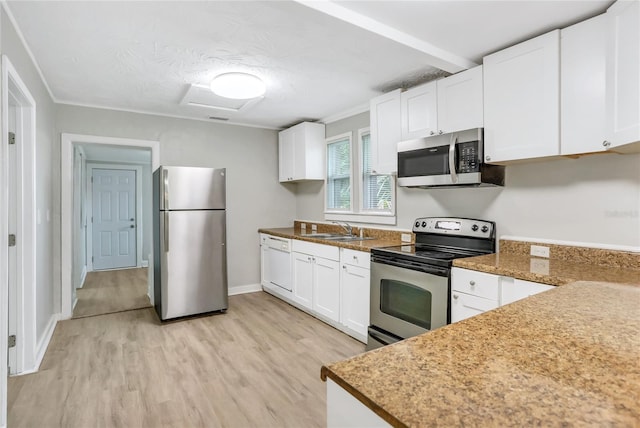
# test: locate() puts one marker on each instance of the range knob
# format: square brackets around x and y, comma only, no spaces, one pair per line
[484,229]
[424,224]
[417,224]
[474,227]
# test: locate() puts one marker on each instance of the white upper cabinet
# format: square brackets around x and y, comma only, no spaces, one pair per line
[460,101]
[521,100]
[419,111]
[301,152]
[623,73]
[583,53]
[447,105]
[385,132]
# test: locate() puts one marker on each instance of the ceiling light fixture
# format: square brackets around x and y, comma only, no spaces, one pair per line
[238,86]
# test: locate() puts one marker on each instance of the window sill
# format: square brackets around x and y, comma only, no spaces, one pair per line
[361,217]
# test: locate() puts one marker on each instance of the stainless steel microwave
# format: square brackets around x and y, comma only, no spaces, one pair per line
[454,159]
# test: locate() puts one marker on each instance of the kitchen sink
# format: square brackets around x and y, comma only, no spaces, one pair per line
[339,237]
[324,235]
[347,238]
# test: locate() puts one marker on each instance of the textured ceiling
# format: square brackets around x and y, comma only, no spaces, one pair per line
[144,55]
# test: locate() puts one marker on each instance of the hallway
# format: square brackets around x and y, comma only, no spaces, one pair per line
[111,291]
[258,365]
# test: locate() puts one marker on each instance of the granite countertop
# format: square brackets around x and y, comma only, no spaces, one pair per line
[383,240]
[552,272]
[569,356]
[566,264]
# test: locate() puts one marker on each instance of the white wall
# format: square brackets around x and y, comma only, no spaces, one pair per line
[592,199]
[255,198]
[47,182]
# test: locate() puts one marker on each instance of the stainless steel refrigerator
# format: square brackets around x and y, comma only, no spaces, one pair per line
[190,257]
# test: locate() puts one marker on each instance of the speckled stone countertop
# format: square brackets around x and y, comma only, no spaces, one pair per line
[384,238]
[566,264]
[566,357]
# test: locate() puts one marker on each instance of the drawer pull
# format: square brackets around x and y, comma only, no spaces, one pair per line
[472,283]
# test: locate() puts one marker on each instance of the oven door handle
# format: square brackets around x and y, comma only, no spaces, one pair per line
[385,339]
[420,268]
[452,158]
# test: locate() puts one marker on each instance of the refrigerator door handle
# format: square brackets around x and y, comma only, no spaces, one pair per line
[165,188]
[166,232]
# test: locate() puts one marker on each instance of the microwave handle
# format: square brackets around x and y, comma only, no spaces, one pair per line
[452,158]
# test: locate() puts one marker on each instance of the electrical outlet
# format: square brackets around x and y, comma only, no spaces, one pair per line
[303,227]
[405,237]
[539,251]
[314,228]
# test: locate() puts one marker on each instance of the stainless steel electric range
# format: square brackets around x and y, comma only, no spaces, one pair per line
[411,284]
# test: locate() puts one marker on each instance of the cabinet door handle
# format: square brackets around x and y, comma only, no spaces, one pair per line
[488,158]
[472,283]
[606,143]
[432,133]
[455,296]
[440,132]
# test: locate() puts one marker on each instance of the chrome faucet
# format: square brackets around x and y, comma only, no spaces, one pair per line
[346,226]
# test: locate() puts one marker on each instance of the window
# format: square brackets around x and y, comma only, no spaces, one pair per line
[377,190]
[338,189]
[352,191]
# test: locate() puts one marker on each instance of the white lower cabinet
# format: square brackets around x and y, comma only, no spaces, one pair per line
[345,411]
[512,289]
[465,306]
[355,292]
[326,288]
[330,283]
[473,292]
[303,279]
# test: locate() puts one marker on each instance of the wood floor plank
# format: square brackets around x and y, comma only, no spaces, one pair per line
[109,291]
[258,365]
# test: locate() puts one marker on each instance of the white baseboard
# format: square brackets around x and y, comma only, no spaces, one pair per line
[42,346]
[145,263]
[83,276]
[243,289]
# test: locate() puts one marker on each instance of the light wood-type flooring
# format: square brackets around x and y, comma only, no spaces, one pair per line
[110,291]
[258,365]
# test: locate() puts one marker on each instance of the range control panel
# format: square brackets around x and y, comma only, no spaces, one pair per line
[455,226]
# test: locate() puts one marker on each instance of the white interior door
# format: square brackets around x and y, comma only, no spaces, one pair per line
[114,218]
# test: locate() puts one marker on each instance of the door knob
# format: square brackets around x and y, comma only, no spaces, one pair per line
[132,226]
[133,219]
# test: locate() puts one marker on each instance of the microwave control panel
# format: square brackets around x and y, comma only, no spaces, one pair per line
[468,160]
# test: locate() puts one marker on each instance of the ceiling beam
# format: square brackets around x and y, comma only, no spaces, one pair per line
[436,56]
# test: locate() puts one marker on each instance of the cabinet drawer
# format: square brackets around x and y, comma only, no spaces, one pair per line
[466,306]
[475,283]
[325,251]
[355,258]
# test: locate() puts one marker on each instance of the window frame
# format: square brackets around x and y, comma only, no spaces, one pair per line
[357,213]
[331,140]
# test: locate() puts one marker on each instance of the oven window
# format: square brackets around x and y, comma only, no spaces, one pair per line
[405,301]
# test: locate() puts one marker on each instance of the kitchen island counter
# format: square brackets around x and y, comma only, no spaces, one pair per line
[567,356]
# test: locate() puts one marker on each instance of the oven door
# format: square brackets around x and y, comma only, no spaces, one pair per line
[406,302]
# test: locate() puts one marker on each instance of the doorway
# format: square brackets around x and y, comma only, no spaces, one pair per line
[79,272]
[110,266]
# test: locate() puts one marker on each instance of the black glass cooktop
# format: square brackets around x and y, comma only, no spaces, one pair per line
[425,254]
